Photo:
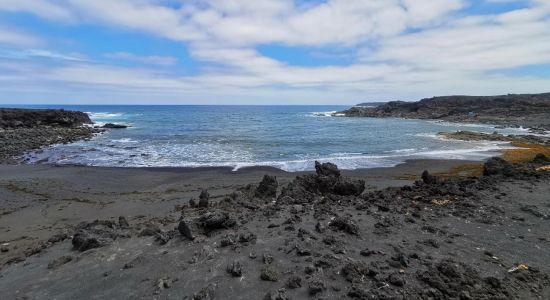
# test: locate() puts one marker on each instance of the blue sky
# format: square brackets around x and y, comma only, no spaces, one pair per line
[269,51]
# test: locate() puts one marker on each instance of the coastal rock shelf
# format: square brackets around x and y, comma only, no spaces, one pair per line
[22,130]
[529,110]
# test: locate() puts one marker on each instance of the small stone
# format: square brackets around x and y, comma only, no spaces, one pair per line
[396,280]
[294,282]
[184,229]
[309,269]
[316,287]
[235,269]
[280,294]
[59,262]
[269,273]
[123,223]
[267,258]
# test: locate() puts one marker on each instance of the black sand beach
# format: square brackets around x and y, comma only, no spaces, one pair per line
[463,230]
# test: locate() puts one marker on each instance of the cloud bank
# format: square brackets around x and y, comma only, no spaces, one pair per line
[393,49]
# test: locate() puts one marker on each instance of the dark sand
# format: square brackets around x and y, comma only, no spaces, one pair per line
[440,241]
[38,200]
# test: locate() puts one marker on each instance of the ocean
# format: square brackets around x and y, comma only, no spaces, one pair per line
[286,137]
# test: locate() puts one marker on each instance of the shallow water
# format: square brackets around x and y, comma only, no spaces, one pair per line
[286,137]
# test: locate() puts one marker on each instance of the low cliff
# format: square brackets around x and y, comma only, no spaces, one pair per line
[29,118]
[527,110]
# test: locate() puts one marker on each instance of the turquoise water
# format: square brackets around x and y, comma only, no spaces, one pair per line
[286,137]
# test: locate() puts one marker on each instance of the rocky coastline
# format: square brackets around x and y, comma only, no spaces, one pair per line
[522,110]
[321,235]
[23,130]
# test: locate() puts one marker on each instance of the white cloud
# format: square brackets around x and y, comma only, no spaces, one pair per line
[14,37]
[445,52]
[144,59]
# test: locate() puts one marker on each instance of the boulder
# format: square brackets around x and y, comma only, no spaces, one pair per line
[267,187]
[541,159]
[95,234]
[216,220]
[204,198]
[326,169]
[497,166]
[428,178]
[184,229]
[345,224]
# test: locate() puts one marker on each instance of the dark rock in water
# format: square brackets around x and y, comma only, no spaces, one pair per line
[428,178]
[345,224]
[315,287]
[280,294]
[497,166]
[269,273]
[216,220]
[267,188]
[122,222]
[541,159]
[59,262]
[184,229]
[114,126]
[326,169]
[204,198]
[235,269]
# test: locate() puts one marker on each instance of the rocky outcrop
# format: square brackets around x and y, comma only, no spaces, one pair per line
[496,137]
[11,118]
[23,130]
[527,110]
[326,180]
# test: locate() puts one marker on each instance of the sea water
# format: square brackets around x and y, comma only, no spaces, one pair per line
[287,137]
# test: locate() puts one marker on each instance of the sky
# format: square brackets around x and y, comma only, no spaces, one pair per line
[269,51]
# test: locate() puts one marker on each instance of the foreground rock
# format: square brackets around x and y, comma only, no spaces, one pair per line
[529,110]
[326,180]
[465,238]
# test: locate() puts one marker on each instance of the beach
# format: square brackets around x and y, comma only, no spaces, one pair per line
[43,199]
[423,228]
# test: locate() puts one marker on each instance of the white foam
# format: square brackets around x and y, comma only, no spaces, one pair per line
[324,114]
[104,115]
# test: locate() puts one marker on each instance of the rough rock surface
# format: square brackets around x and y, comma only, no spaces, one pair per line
[462,238]
[23,130]
[527,110]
